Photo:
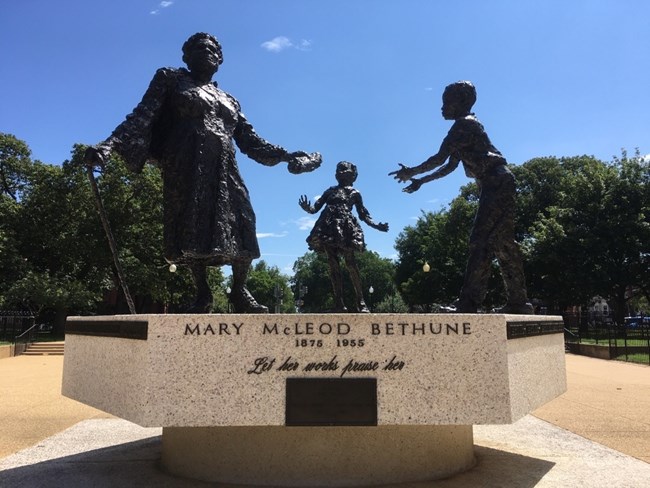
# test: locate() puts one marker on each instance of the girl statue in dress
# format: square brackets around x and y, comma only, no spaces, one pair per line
[338,233]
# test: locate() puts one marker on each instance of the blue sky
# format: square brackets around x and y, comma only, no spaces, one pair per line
[357,80]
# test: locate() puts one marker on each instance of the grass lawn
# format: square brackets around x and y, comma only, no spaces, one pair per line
[635,358]
[618,342]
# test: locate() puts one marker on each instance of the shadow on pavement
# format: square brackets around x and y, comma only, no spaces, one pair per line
[136,464]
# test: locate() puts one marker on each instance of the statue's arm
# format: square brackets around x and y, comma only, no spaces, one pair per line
[364,214]
[416,183]
[306,205]
[255,147]
[132,138]
[406,173]
[262,151]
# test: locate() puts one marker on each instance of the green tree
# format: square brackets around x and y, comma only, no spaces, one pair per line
[440,240]
[312,271]
[591,234]
[53,248]
[58,272]
[15,163]
[270,287]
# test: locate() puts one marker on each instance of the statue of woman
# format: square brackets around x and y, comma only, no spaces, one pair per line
[337,232]
[186,125]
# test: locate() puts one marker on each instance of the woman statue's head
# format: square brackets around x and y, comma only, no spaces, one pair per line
[202,54]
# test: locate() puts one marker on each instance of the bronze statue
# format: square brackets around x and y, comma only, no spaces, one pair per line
[186,125]
[493,233]
[338,233]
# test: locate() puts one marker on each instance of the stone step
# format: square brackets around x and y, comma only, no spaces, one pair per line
[45,349]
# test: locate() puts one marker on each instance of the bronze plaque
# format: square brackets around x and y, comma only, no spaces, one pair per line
[331,401]
[124,329]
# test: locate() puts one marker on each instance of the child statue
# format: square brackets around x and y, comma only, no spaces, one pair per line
[337,232]
[493,233]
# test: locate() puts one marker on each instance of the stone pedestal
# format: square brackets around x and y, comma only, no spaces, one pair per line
[318,456]
[299,400]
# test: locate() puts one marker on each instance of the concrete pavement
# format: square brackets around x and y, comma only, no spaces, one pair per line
[31,405]
[607,402]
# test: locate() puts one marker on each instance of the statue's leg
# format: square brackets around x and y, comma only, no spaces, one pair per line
[203,300]
[336,280]
[477,274]
[481,250]
[507,250]
[512,271]
[242,300]
[355,277]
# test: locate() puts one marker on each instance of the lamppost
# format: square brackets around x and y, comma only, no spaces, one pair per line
[425,267]
[302,291]
[172,269]
[371,290]
[228,292]
[278,293]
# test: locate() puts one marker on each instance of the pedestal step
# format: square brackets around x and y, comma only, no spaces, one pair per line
[318,456]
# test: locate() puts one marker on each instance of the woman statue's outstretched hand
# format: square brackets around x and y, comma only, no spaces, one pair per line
[382,226]
[302,162]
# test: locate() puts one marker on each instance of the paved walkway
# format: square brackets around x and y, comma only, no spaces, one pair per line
[31,405]
[607,402]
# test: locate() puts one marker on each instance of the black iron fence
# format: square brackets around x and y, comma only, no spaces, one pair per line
[599,336]
[14,323]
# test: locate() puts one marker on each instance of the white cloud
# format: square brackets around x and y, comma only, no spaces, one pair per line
[303,45]
[277,44]
[262,235]
[163,4]
[281,43]
[305,223]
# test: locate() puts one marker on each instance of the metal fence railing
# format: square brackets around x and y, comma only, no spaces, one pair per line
[13,323]
[600,336]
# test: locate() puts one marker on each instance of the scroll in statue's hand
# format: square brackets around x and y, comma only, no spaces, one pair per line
[382,226]
[302,162]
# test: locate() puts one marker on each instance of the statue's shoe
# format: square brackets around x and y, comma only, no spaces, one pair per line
[243,302]
[519,309]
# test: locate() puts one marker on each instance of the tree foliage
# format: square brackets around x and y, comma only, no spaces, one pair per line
[591,236]
[584,228]
[53,250]
[270,287]
[312,271]
[440,240]
[15,163]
